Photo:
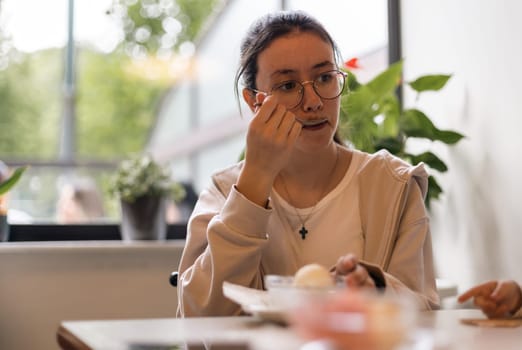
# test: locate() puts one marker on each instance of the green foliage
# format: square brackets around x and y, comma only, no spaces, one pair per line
[115,108]
[6,185]
[140,176]
[115,104]
[372,119]
[149,16]
[30,106]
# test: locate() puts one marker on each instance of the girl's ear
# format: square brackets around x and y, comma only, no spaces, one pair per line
[250,98]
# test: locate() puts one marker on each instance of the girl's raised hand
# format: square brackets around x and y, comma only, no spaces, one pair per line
[271,138]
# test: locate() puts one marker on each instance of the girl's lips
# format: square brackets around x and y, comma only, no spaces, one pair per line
[311,123]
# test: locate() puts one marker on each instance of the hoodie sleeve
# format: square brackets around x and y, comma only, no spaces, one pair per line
[225,238]
[410,269]
[396,227]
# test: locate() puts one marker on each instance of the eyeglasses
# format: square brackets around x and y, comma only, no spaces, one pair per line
[327,85]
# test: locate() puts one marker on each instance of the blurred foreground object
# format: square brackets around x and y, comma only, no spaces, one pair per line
[349,319]
[313,275]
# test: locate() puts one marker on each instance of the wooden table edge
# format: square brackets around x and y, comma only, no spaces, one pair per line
[69,341]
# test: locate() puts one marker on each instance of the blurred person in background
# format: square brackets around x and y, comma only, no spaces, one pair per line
[80,201]
[179,212]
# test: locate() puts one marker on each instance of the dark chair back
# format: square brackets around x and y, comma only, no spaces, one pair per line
[173,279]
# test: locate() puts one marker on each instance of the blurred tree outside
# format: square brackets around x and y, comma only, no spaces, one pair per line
[29,106]
[115,106]
[115,109]
[116,92]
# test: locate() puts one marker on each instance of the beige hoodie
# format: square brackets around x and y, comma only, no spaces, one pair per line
[227,235]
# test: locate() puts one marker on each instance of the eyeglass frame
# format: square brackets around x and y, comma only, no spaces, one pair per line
[303,83]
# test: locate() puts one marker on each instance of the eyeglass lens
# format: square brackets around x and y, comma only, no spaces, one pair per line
[328,85]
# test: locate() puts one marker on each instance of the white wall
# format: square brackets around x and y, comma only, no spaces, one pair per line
[477,225]
[42,284]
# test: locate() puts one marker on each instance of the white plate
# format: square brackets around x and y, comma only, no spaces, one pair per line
[273,305]
[267,314]
[254,301]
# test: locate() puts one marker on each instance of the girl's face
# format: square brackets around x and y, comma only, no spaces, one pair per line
[302,56]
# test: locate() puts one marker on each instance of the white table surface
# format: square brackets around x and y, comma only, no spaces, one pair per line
[446,288]
[436,330]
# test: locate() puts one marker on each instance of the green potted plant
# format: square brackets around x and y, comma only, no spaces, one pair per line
[372,118]
[143,187]
[7,181]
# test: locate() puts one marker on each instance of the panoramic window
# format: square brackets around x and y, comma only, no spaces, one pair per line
[79,86]
[85,84]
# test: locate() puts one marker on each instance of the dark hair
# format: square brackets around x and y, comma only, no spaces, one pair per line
[267,29]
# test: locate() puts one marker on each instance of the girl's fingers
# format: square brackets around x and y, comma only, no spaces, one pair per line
[287,123]
[346,264]
[360,278]
[354,274]
[266,110]
[277,116]
[260,97]
[294,132]
[277,127]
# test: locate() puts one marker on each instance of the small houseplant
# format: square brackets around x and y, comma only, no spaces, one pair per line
[5,186]
[372,118]
[143,187]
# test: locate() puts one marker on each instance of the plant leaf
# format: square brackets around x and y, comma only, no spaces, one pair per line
[351,81]
[386,82]
[449,137]
[359,101]
[429,82]
[430,159]
[414,123]
[391,111]
[12,180]
[434,191]
[141,175]
[393,145]
[356,118]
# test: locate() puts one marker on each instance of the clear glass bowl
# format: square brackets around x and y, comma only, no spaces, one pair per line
[285,296]
[356,319]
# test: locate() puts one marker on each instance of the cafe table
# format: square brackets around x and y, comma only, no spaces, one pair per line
[442,329]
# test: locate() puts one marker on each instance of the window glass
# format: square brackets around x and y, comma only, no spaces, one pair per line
[358,27]
[73,114]
[155,76]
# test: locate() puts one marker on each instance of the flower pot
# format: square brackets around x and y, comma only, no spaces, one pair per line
[4,228]
[143,219]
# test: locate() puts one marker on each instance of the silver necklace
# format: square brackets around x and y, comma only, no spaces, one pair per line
[303,231]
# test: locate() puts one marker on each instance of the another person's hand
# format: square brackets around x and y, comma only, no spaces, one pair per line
[354,274]
[495,298]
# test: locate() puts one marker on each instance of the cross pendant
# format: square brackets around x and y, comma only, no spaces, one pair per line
[303,231]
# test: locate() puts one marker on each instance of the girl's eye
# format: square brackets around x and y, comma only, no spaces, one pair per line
[287,86]
[325,78]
